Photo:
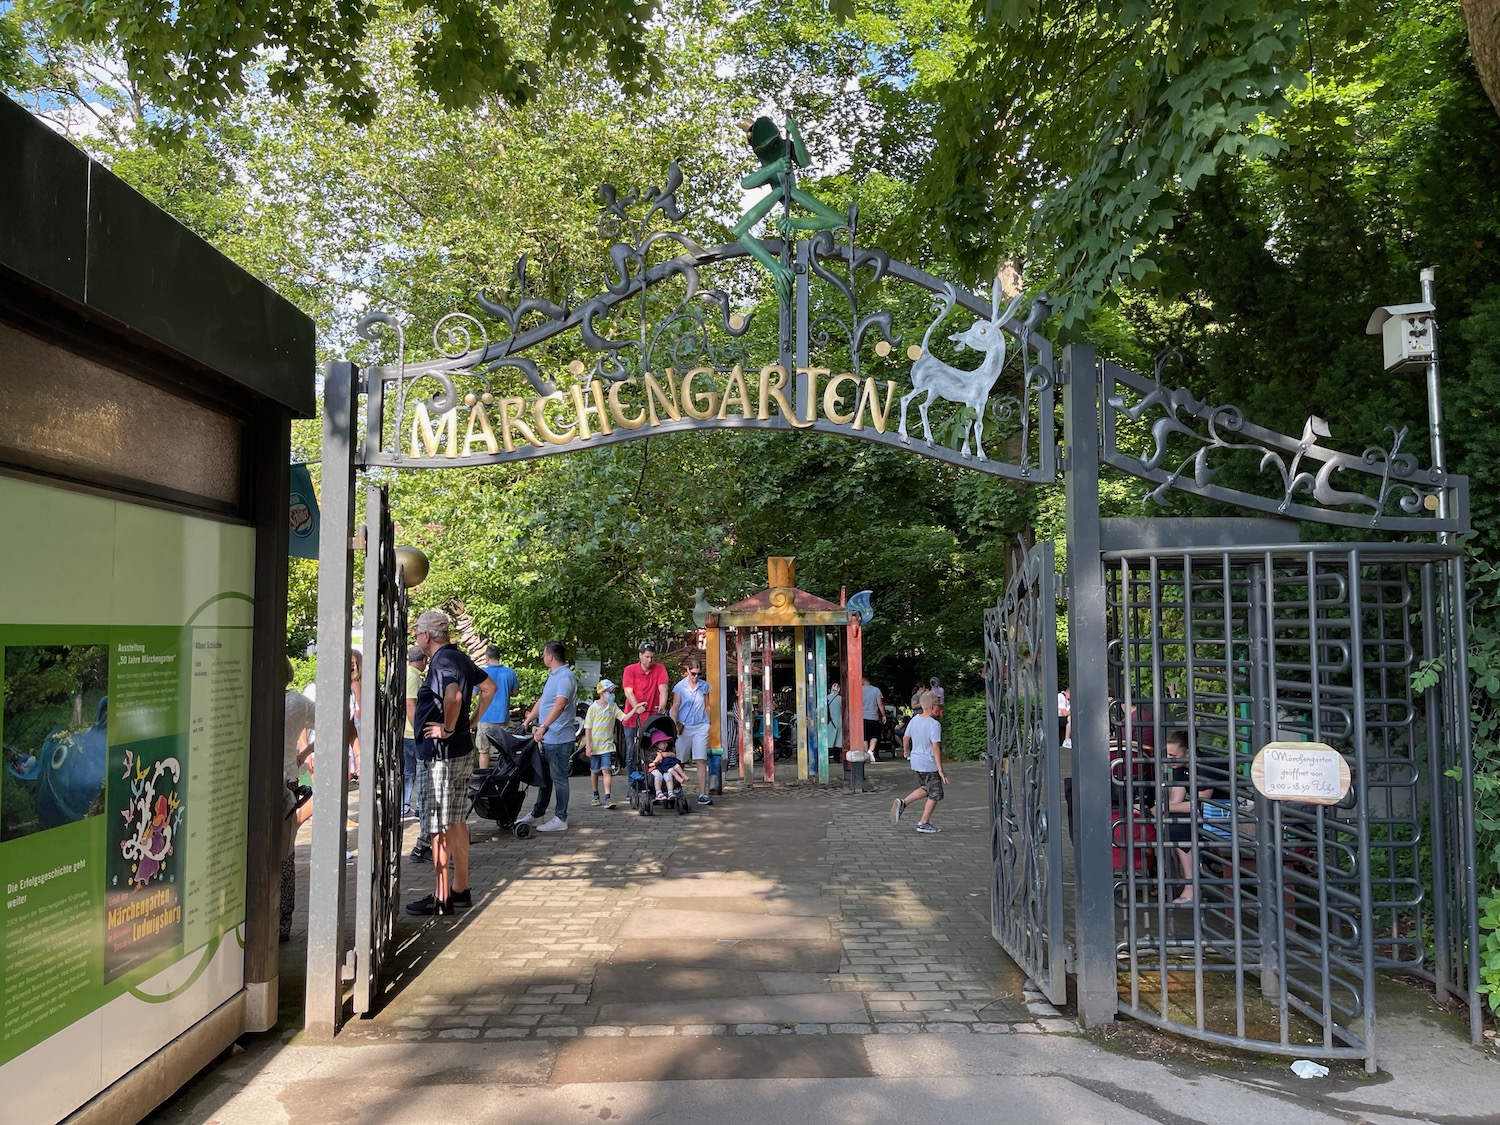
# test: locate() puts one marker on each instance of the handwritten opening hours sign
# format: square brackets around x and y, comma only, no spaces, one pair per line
[1301,771]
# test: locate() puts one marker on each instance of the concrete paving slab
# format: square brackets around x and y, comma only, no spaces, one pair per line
[716,1057]
[828,1007]
[792,984]
[617,983]
[855,1099]
[692,925]
[814,956]
[805,906]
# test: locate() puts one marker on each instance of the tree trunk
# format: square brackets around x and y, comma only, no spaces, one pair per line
[465,635]
[1483,18]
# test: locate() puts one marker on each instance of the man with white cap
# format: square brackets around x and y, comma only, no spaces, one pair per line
[441,720]
[599,739]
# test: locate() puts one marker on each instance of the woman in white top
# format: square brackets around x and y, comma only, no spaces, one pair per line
[296,751]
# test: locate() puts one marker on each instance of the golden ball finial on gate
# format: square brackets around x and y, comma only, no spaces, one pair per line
[413,565]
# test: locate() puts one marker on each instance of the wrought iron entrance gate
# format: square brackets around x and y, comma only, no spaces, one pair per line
[1020,679]
[1234,918]
[382,772]
[1171,625]
[1295,906]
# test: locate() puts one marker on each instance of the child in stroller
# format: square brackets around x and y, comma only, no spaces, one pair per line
[666,767]
[662,779]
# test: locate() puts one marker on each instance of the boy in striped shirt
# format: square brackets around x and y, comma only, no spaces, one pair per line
[599,739]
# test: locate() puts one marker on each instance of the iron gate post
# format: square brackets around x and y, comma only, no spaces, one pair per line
[325,914]
[1464,847]
[1257,734]
[1361,789]
[1093,905]
[371,783]
[1432,705]
[802,396]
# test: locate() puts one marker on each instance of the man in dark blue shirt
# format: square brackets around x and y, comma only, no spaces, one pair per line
[447,752]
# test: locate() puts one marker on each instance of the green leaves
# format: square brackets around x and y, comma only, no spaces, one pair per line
[1484,679]
[1099,120]
[196,56]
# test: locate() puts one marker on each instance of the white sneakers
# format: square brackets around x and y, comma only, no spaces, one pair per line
[553,825]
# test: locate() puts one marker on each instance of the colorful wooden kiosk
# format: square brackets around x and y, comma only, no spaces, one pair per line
[747,634]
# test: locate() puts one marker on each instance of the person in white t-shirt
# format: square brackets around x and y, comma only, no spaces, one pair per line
[922,745]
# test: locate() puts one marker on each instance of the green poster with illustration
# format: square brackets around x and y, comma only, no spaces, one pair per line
[125,669]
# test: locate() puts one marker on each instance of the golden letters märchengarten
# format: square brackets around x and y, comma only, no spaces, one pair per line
[703,394]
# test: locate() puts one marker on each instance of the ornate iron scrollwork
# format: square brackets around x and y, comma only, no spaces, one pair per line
[852,328]
[1191,442]
[1020,674]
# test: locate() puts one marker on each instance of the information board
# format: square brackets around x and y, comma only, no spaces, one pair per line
[125,642]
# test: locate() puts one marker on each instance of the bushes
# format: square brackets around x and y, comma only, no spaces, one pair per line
[964,730]
[1484,716]
[304,671]
[1484,700]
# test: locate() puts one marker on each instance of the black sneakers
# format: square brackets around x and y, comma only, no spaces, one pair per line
[431,904]
[422,853]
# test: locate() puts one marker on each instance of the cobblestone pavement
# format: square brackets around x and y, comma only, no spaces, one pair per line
[797,910]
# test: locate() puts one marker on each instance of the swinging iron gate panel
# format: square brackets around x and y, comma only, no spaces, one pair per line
[382,770]
[1294,907]
[1020,648]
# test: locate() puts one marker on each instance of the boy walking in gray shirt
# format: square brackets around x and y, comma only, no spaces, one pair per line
[922,744]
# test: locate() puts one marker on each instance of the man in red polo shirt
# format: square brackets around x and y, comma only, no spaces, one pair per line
[645,685]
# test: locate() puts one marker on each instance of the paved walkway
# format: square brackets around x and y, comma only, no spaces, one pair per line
[784,954]
[795,910]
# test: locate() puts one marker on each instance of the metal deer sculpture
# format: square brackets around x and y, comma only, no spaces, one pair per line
[935,378]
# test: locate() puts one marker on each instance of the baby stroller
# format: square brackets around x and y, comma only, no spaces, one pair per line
[656,734]
[496,793]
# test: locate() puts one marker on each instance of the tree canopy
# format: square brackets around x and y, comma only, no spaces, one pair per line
[197,56]
[1245,198]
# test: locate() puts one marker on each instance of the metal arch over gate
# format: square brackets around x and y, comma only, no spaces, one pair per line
[658,351]
[662,350]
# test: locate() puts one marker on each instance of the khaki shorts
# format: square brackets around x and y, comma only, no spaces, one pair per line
[933,783]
